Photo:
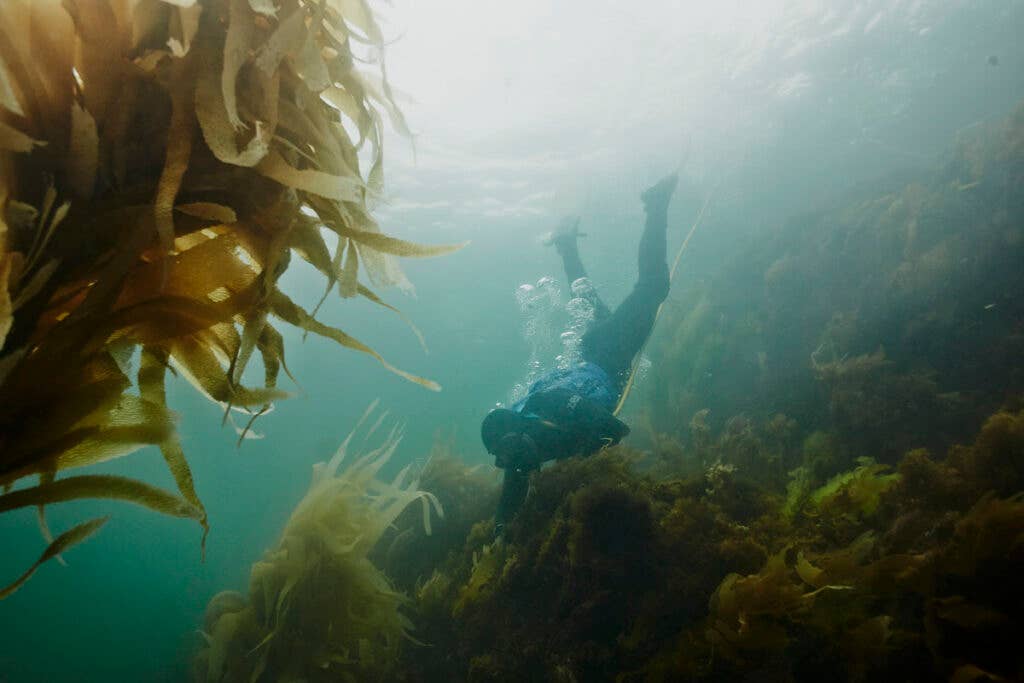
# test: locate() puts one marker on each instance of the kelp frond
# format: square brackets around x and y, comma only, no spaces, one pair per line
[160,161]
[69,538]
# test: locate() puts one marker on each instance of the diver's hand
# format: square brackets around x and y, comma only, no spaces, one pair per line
[566,234]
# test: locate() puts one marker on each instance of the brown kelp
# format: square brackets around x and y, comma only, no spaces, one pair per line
[160,163]
[317,608]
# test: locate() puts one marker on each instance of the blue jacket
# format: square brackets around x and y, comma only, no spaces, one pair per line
[583,379]
[572,411]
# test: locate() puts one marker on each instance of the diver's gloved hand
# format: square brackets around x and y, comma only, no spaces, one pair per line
[566,235]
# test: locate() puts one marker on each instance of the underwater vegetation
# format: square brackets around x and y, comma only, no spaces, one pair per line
[613,573]
[317,607]
[160,164]
[890,318]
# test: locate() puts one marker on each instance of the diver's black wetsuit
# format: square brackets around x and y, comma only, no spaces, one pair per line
[562,421]
[615,338]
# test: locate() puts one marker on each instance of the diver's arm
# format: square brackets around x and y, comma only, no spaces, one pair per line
[514,488]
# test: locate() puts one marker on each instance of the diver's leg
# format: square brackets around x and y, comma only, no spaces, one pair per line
[565,241]
[615,342]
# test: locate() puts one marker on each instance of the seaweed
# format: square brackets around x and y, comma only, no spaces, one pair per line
[160,163]
[317,608]
[613,570]
[887,318]
[405,552]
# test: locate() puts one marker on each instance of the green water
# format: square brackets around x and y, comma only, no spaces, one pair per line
[568,110]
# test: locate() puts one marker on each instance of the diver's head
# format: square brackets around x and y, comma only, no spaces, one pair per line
[505,435]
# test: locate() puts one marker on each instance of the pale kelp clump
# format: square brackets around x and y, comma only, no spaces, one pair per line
[160,163]
[318,609]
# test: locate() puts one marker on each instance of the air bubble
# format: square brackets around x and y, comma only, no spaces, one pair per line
[580,309]
[552,329]
[582,287]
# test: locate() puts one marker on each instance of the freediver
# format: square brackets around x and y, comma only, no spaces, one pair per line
[570,411]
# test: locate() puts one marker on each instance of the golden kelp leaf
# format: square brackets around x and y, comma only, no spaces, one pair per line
[209,211]
[99,53]
[44,528]
[290,312]
[47,225]
[157,320]
[306,124]
[6,304]
[83,152]
[152,367]
[179,151]
[218,129]
[342,100]
[204,371]
[188,19]
[396,247]
[100,486]
[271,346]
[340,188]
[348,283]
[251,333]
[88,399]
[51,45]
[310,66]
[382,269]
[286,39]
[376,87]
[306,240]
[358,14]
[32,287]
[132,423]
[13,140]
[240,38]
[66,540]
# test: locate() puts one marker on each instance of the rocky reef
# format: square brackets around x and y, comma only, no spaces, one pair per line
[612,573]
